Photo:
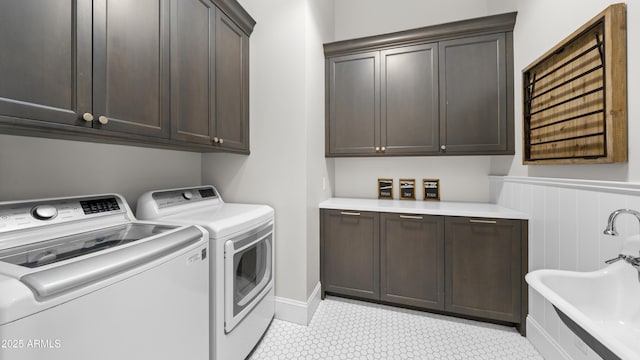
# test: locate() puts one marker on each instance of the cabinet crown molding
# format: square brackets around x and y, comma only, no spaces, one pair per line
[488,24]
[237,13]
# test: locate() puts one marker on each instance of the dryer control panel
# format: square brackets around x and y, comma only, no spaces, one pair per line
[182,196]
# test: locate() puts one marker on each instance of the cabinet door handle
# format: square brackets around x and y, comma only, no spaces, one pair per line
[478,221]
[349,213]
[88,117]
[383,149]
[103,120]
[414,217]
[221,140]
[443,147]
[377,148]
[215,139]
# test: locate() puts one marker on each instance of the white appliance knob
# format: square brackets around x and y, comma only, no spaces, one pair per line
[103,120]
[88,117]
[187,195]
[44,212]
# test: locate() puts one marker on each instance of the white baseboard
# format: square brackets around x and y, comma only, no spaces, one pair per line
[298,312]
[542,341]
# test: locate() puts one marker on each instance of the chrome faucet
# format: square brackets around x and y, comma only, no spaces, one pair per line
[611,228]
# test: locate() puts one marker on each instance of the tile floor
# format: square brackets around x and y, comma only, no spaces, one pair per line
[349,329]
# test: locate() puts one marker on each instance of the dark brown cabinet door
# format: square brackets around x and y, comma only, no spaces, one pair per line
[412,260]
[473,95]
[350,253]
[45,64]
[131,66]
[483,273]
[354,104]
[192,73]
[409,101]
[232,85]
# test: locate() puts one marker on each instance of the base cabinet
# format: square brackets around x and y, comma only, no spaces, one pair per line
[351,252]
[412,260]
[482,275]
[472,267]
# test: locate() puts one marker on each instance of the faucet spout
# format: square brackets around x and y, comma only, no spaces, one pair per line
[611,227]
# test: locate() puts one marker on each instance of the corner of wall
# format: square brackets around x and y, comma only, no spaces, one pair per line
[298,312]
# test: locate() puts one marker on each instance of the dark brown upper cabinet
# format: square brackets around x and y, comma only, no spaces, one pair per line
[439,90]
[131,66]
[409,102]
[232,85]
[144,73]
[473,95]
[354,119]
[45,67]
[193,76]
[210,86]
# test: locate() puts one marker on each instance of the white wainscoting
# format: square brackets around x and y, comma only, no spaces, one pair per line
[298,312]
[566,220]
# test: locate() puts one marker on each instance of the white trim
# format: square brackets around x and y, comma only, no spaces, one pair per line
[298,312]
[617,187]
[313,302]
[543,342]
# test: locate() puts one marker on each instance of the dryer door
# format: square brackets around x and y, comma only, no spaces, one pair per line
[248,275]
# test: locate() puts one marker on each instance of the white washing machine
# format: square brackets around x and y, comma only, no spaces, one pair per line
[81,278]
[242,241]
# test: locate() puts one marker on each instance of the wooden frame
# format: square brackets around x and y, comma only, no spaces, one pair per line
[383,186]
[407,189]
[428,194]
[575,96]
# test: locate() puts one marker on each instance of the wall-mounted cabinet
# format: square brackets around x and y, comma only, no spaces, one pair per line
[445,89]
[142,73]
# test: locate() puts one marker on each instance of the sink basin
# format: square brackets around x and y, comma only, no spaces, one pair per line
[602,307]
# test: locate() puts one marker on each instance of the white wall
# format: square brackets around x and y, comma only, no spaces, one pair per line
[287,165]
[462,178]
[38,168]
[359,18]
[561,18]
[320,173]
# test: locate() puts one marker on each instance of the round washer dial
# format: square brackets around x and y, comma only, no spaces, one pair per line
[44,212]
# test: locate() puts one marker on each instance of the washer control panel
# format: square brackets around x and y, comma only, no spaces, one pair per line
[26,214]
[182,196]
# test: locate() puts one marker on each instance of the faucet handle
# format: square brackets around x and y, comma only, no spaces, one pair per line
[618,258]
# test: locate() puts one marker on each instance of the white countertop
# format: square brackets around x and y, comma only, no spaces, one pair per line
[449,208]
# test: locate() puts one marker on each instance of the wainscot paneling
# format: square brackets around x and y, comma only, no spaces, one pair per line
[566,220]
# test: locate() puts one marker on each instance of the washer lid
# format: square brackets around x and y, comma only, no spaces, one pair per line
[226,220]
